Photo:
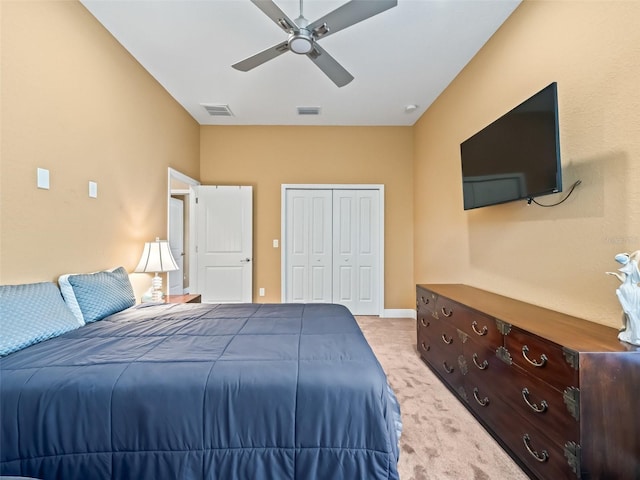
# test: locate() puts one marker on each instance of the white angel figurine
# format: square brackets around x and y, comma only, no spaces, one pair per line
[629,296]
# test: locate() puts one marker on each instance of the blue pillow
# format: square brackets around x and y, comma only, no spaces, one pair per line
[32,313]
[94,296]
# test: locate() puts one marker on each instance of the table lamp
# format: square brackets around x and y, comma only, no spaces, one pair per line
[156,257]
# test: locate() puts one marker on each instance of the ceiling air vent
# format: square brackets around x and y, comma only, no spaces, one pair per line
[218,110]
[308,110]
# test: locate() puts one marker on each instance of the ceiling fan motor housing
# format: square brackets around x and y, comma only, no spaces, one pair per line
[301,42]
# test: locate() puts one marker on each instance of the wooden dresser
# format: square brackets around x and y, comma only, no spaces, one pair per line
[560,394]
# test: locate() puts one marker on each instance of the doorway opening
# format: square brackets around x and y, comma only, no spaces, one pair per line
[179,227]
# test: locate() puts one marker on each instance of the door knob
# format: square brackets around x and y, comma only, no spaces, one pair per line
[246,260]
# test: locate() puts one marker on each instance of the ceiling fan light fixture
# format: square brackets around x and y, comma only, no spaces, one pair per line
[301,42]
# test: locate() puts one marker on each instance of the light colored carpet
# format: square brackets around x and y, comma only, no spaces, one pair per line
[441,439]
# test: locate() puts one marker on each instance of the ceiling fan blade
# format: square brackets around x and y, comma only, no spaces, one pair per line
[272,11]
[262,57]
[329,66]
[351,13]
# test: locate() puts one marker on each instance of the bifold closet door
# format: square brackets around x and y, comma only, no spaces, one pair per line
[332,248]
[309,246]
[356,250]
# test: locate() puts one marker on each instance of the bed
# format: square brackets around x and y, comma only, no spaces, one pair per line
[198,391]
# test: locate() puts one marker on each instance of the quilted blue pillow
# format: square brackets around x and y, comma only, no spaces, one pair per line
[32,313]
[94,296]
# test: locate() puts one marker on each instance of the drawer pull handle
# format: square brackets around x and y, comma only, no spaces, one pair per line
[424,322]
[425,300]
[479,332]
[533,406]
[484,402]
[541,363]
[444,312]
[425,347]
[541,458]
[444,339]
[481,366]
[447,368]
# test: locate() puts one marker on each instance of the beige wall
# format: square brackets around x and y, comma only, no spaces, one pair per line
[267,157]
[554,257]
[76,103]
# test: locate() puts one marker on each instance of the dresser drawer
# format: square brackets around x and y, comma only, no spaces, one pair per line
[480,327]
[444,362]
[543,456]
[480,359]
[541,358]
[447,365]
[425,301]
[424,320]
[537,402]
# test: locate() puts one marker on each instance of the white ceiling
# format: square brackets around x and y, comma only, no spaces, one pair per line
[405,55]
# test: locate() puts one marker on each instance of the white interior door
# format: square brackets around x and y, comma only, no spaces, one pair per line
[224,243]
[176,243]
[355,250]
[309,246]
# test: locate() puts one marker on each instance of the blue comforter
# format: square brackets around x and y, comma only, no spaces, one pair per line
[195,391]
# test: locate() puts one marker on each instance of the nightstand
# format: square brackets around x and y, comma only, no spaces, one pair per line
[195,298]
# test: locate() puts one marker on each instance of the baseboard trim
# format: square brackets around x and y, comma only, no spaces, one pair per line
[398,313]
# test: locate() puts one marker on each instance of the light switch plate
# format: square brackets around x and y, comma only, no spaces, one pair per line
[43,178]
[275,243]
[93,189]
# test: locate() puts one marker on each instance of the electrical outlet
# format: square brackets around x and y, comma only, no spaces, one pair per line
[261,293]
[275,243]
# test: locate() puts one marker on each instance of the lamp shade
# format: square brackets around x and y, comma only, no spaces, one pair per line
[156,257]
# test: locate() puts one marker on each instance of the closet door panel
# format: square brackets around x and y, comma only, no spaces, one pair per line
[355,220]
[309,246]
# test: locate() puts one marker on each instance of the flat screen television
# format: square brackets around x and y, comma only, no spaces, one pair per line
[517,156]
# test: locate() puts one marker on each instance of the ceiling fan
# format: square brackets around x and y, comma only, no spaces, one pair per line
[304,36]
